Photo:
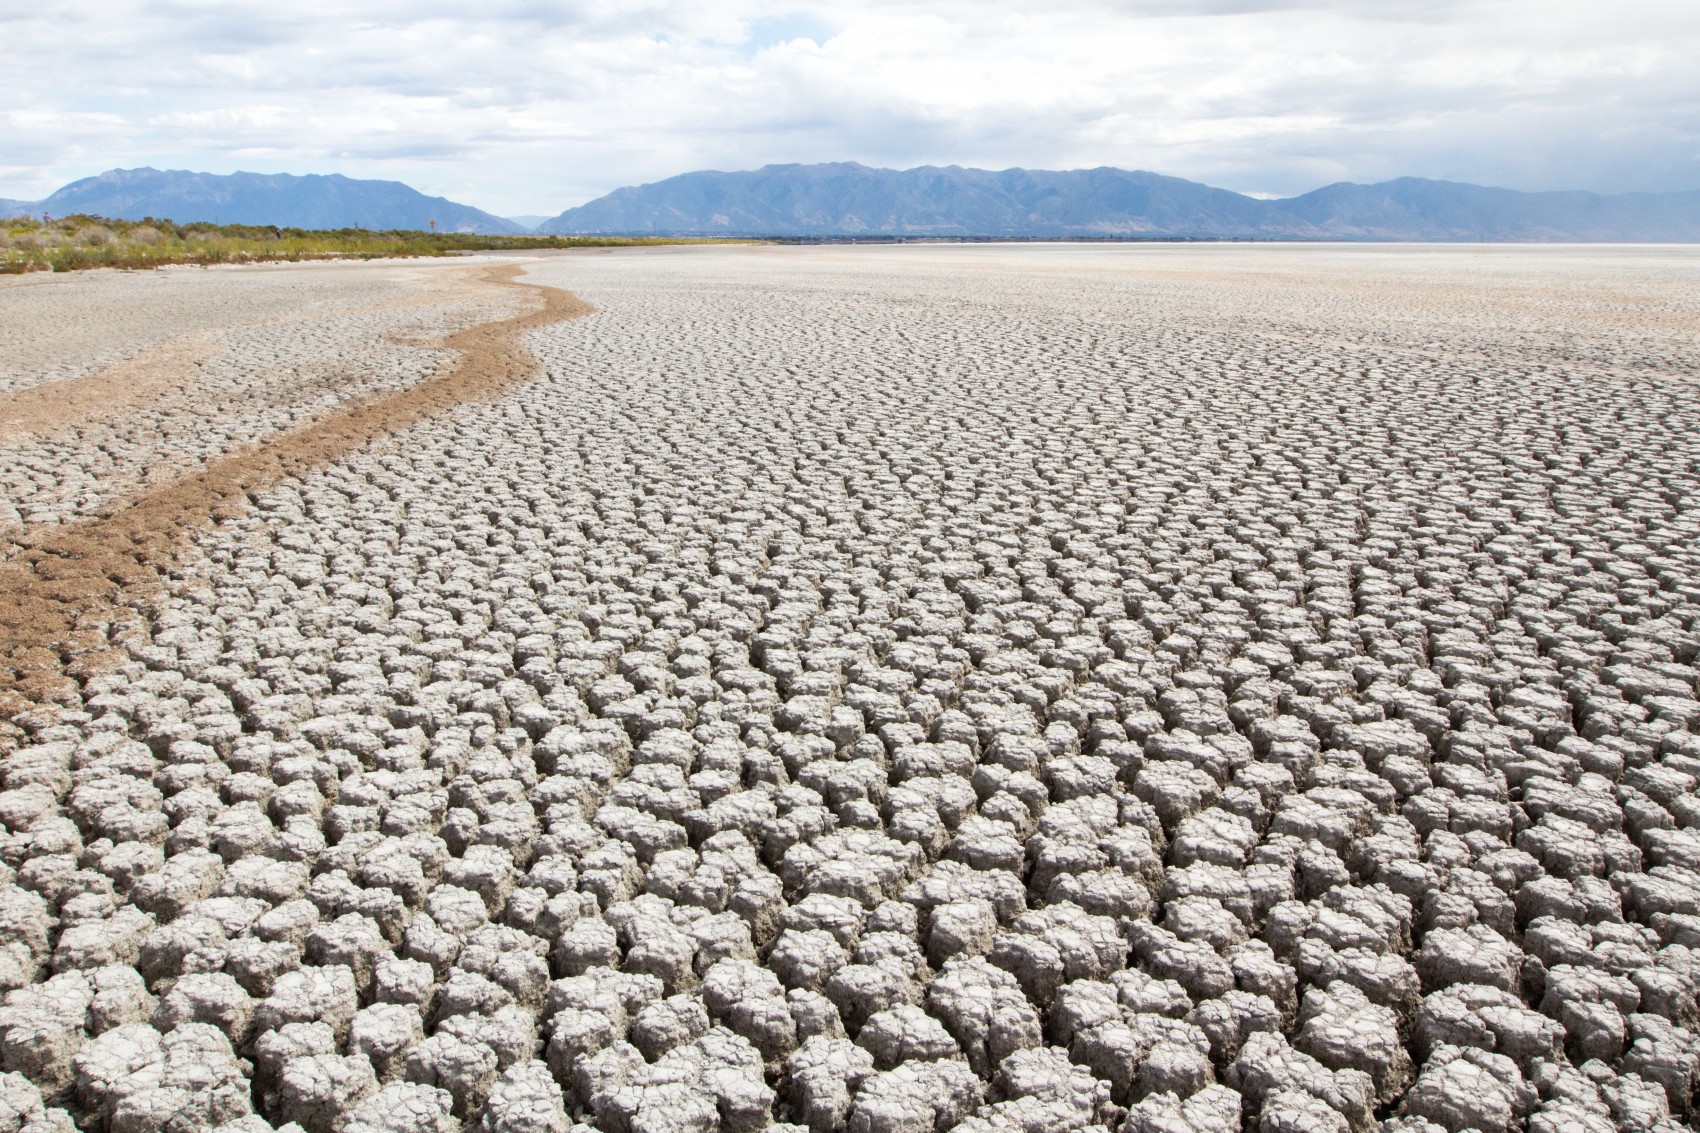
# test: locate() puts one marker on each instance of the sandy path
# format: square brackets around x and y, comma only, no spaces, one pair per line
[109,390]
[60,597]
[144,378]
[57,327]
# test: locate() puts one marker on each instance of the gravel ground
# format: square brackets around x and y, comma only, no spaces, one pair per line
[909,689]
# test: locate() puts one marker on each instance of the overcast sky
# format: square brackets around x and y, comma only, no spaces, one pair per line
[531,106]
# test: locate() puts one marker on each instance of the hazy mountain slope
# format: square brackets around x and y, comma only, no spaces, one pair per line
[847,199]
[313,201]
[1412,208]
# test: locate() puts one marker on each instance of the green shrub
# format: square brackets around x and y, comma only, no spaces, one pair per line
[77,242]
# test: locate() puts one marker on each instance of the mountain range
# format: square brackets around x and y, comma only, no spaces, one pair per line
[844,199]
[847,199]
[313,201]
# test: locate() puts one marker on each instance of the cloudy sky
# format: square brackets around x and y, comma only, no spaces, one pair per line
[530,106]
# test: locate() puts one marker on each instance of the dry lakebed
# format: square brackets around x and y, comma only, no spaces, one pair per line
[1005,689]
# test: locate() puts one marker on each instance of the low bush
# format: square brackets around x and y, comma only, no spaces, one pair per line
[77,242]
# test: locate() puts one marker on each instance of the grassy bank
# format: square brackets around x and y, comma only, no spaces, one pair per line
[74,242]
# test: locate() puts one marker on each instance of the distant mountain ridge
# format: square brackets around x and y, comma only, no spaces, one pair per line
[847,199]
[282,199]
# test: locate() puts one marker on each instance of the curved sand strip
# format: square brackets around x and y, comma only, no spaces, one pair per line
[283,347]
[61,595]
[54,407]
[139,381]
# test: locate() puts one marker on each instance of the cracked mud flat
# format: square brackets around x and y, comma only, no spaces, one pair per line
[64,590]
[912,689]
[114,383]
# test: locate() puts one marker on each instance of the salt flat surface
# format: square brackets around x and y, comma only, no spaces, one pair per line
[920,688]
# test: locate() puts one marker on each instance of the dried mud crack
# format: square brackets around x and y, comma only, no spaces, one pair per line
[1220,689]
[68,587]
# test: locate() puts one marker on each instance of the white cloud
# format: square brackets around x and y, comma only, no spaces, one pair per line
[533,105]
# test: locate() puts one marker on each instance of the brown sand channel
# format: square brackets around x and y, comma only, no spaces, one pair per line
[58,406]
[64,593]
